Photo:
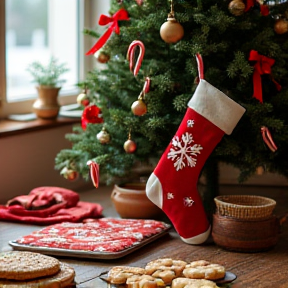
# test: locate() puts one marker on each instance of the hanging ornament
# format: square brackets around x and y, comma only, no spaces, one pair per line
[91,114]
[94,172]
[103,136]
[267,138]
[171,31]
[139,2]
[129,145]
[102,56]
[236,7]
[134,68]
[82,98]
[139,107]
[281,26]
[69,174]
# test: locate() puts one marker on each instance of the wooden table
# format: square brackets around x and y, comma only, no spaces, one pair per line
[264,269]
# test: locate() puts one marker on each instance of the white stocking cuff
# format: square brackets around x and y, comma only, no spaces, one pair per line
[215,106]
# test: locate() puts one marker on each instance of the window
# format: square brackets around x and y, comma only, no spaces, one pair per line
[33,30]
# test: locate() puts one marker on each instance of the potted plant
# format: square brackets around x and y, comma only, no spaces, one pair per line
[48,86]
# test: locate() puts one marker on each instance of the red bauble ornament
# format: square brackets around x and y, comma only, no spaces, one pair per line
[91,114]
[82,99]
[102,57]
[130,146]
[69,174]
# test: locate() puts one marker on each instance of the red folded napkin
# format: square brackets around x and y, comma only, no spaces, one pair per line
[49,205]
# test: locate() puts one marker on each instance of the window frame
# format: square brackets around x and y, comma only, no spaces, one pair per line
[89,12]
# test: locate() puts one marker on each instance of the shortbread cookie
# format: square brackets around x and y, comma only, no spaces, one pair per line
[144,281]
[64,278]
[204,270]
[119,274]
[24,265]
[165,268]
[193,283]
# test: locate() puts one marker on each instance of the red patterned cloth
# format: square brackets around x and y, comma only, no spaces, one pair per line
[98,235]
[49,205]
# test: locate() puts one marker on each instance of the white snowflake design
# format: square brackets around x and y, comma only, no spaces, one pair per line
[182,151]
[188,201]
[190,123]
[170,195]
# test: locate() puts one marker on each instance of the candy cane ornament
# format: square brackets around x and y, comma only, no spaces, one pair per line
[94,172]
[267,138]
[134,68]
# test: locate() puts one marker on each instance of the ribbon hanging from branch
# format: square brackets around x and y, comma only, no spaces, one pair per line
[120,15]
[262,66]
[264,9]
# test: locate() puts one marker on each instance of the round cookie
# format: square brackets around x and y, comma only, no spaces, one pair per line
[165,268]
[64,278]
[24,265]
[119,274]
[202,269]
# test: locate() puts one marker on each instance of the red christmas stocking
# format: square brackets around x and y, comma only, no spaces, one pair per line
[173,184]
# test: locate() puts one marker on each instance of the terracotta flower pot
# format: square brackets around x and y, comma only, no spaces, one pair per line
[46,106]
[130,201]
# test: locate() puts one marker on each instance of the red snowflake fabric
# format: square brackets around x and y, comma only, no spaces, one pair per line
[95,235]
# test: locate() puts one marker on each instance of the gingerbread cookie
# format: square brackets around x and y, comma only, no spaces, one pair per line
[204,270]
[24,265]
[119,274]
[193,283]
[165,268]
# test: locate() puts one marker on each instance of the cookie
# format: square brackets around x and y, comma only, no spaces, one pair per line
[24,265]
[165,268]
[64,278]
[204,270]
[144,281]
[119,274]
[193,283]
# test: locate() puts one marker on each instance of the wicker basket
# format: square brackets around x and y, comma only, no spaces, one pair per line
[246,207]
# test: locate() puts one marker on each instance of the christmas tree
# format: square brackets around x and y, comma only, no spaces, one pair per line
[244,47]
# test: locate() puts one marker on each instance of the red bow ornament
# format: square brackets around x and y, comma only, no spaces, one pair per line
[120,15]
[264,9]
[262,66]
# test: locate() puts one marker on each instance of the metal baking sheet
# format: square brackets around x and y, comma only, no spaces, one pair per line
[88,254]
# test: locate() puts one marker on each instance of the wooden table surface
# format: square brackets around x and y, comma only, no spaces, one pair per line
[263,269]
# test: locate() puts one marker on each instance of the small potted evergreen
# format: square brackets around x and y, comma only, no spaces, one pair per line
[48,86]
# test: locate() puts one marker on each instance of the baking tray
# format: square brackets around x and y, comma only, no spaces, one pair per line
[88,254]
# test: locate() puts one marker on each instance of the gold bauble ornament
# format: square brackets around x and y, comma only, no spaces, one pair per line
[102,57]
[171,31]
[69,174]
[281,26]
[139,108]
[237,7]
[130,146]
[82,99]
[103,136]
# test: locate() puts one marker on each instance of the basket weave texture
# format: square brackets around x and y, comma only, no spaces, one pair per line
[248,207]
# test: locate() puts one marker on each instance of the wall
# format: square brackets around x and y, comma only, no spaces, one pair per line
[27,162]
